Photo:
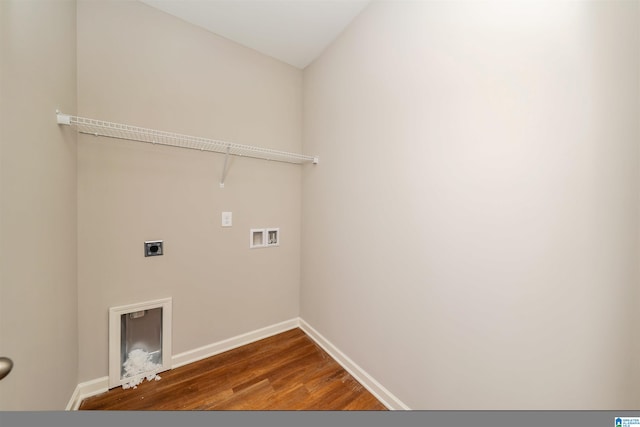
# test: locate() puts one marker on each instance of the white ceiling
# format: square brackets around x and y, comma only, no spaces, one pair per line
[293,31]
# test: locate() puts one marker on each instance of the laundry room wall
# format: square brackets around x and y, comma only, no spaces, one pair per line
[140,66]
[471,239]
[38,267]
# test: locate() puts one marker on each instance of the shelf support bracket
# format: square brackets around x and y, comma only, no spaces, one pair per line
[225,168]
[63,119]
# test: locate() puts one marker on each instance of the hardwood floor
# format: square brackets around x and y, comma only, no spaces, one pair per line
[285,372]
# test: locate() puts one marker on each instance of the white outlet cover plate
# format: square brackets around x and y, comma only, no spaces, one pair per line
[227,219]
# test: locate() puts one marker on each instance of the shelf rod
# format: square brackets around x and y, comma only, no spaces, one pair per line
[134,133]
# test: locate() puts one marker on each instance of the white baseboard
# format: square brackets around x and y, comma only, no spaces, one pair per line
[87,389]
[377,389]
[101,385]
[231,343]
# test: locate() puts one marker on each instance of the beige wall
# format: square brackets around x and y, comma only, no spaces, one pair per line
[470,238]
[139,66]
[636,367]
[38,286]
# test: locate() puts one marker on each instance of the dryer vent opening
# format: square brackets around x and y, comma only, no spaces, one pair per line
[139,342]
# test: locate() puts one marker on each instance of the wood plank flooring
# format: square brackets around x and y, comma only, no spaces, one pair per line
[285,372]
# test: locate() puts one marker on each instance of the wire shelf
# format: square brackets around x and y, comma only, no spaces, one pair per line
[134,133]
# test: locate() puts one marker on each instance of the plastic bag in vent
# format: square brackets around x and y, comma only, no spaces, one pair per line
[139,366]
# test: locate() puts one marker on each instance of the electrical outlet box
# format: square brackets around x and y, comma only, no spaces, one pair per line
[153,248]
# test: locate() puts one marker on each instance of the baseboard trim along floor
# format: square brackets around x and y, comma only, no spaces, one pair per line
[101,385]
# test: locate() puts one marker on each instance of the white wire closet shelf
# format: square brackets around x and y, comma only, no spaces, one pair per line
[134,133]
